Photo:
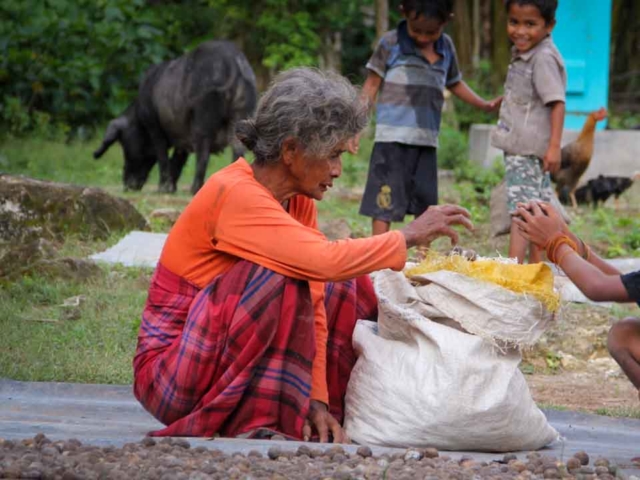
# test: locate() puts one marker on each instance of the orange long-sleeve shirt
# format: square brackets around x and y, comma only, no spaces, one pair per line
[234,217]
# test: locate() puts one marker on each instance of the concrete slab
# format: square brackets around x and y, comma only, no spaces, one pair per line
[137,249]
[615,152]
[109,415]
[626,265]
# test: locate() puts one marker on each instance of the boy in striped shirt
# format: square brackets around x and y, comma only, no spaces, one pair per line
[408,72]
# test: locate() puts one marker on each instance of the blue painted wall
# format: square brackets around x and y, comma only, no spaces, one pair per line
[582,34]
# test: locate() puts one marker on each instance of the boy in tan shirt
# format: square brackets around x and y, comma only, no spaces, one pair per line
[532,113]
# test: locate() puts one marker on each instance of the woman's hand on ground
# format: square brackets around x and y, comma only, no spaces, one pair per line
[539,222]
[320,420]
[437,221]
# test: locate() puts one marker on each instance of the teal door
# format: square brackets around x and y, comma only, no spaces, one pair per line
[582,34]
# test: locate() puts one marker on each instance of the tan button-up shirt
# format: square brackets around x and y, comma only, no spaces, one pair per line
[535,79]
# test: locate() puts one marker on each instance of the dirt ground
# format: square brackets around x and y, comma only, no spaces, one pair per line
[590,391]
[571,368]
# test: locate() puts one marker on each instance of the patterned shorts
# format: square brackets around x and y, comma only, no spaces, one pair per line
[526,180]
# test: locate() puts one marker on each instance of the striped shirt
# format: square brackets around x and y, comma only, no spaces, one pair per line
[411,96]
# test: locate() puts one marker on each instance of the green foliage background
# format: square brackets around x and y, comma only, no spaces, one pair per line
[77,63]
[67,66]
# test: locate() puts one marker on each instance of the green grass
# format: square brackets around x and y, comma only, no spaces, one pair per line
[624,412]
[617,412]
[74,163]
[37,343]
[613,233]
[620,412]
[552,406]
[68,163]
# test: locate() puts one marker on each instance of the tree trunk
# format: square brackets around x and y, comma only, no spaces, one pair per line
[461,29]
[625,65]
[500,52]
[331,53]
[382,18]
[475,58]
[487,37]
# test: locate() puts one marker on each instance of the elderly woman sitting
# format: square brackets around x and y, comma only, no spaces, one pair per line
[250,313]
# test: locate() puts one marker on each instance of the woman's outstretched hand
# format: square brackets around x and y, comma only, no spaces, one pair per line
[320,420]
[437,221]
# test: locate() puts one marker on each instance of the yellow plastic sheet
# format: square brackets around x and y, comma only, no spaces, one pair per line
[535,280]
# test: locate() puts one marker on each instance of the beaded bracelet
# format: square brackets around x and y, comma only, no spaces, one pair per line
[564,241]
[586,250]
[554,243]
[556,236]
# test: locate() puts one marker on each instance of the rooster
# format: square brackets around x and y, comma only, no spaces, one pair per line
[576,157]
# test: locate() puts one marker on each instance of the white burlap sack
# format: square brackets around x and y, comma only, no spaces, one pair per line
[419,382]
[496,314]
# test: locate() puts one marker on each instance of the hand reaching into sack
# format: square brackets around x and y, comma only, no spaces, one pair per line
[437,221]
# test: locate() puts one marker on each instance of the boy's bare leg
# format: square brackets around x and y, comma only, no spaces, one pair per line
[535,254]
[517,244]
[379,227]
[624,346]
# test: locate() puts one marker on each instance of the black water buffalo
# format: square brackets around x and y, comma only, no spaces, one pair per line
[190,104]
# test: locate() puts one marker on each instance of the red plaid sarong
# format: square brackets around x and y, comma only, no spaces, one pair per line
[236,356]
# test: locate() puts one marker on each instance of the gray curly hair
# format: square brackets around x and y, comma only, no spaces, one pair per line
[318,109]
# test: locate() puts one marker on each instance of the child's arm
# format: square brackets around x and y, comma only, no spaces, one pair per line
[467,95]
[590,280]
[371,87]
[552,158]
[369,93]
[549,84]
[599,281]
[594,259]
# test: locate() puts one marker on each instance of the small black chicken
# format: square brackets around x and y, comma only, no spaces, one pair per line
[598,190]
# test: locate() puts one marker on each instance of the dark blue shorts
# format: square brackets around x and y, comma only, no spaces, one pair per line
[631,282]
[402,180]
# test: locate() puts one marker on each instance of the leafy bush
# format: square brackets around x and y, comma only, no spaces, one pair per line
[482,82]
[15,115]
[453,148]
[478,180]
[77,60]
[614,236]
[623,120]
